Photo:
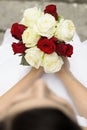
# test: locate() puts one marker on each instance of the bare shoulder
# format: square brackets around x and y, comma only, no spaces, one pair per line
[84,128]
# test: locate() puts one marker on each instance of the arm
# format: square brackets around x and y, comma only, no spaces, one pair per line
[76,90]
[20,87]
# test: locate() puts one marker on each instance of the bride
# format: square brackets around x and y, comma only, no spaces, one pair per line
[43,101]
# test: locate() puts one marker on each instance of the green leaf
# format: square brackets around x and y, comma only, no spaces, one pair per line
[23,61]
[60,17]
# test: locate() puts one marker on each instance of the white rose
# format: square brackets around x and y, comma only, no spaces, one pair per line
[31,15]
[65,30]
[30,37]
[34,57]
[46,25]
[52,63]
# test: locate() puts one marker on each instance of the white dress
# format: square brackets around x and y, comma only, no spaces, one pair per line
[11,71]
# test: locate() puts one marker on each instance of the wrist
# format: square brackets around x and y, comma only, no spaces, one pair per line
[63,74]
[36,72]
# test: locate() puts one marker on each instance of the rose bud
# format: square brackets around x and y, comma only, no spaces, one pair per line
[17,30]
[18,47]
[51,9]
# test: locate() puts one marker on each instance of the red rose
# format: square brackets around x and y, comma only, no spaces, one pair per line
[51,9]
[63,49]
[54,39]
[18,47]
[17,30]
[69,50]
[46,45]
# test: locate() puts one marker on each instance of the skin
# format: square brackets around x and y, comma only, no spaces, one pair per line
[31,92]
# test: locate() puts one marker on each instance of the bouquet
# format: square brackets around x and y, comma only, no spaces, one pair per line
[43,38]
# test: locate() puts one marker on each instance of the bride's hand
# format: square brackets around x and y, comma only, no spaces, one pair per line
[36,72]
[65,68]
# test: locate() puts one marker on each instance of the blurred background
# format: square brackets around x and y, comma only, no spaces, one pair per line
[12,11]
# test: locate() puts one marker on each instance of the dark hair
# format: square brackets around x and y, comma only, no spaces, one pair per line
[42,119]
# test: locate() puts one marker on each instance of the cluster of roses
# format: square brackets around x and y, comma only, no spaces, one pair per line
[42,37]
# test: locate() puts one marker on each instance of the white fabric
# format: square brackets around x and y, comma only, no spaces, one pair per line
[11,72]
